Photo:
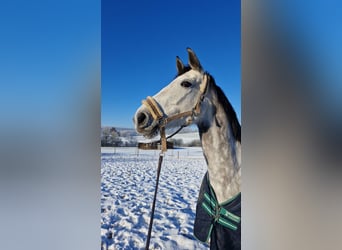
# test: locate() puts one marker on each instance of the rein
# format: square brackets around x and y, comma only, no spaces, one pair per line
[162,119]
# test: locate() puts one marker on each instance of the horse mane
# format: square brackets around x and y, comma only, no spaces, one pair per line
[229,110]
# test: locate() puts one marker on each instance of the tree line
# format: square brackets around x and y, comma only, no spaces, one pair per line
[110,137]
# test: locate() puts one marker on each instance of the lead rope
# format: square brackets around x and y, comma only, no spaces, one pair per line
[161,156]
[154,201]
[163,141]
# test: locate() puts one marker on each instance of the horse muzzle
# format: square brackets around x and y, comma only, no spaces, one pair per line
[145,124]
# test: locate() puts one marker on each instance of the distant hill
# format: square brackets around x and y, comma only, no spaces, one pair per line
[127,132]
[123,137]
[109,136]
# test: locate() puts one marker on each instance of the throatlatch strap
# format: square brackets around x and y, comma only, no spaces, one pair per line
[204,83]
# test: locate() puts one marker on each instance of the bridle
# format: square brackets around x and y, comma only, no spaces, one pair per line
[163,119]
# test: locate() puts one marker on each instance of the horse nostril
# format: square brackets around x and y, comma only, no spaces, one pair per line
[141,118]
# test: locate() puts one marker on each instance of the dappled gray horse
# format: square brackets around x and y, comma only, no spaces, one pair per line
[194,98]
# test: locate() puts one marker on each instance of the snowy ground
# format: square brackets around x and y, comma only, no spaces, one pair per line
[127,189]
[186,137]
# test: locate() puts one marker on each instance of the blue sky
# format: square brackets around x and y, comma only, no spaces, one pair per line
[141,39]
[49,50]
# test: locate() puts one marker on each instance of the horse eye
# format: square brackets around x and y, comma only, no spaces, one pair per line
[186,84]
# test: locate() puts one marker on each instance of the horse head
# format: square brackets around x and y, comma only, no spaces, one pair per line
[180,103]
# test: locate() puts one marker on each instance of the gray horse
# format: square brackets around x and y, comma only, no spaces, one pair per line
[194,98]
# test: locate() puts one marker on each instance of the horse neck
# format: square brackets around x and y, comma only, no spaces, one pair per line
[222,153]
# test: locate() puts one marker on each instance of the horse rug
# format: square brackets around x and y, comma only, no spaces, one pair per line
[219,222]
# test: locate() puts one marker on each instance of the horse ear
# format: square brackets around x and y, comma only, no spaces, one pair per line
[193,60]
[180,66]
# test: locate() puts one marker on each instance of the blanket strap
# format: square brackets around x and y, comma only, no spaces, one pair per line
[219,213]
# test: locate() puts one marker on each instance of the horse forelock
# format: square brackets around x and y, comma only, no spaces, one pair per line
[229,110]
[185,69]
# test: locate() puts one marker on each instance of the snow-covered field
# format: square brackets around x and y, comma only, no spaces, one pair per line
[186,137]
[127,189]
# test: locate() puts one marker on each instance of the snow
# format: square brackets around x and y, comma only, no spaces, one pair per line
[186,137]
[127,189]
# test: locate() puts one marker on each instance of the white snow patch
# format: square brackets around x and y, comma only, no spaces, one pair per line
[186,137]
[127,189]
